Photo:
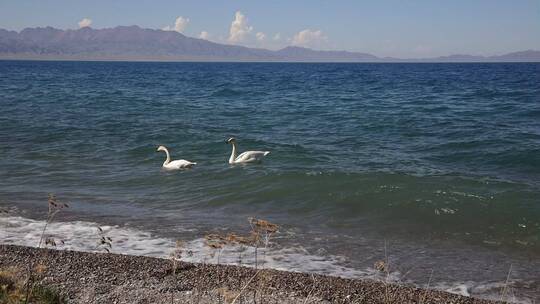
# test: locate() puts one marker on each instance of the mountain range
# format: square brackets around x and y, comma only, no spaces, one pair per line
[135,43]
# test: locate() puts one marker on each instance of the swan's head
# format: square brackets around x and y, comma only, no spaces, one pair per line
[231,140]
[161,148]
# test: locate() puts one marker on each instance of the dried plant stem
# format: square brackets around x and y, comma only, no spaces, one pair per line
[266,245]
[427,287]
[312,288]
[505,288]
[219,254]
[245,286]
[49,218]
[30,280]
[387,268]
[53,208]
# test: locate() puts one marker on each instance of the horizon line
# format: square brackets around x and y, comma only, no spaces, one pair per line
[423,59]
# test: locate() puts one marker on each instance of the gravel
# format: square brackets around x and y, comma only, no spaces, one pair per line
[113,278]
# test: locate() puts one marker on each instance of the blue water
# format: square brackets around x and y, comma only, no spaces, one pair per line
[439,161]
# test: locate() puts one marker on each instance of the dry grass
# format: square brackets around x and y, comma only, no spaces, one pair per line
[104,242]
[506,288]
[259,236]
[175,256]
[18,287]
[36,267]
[13,291]
[54,206]
[229,296]
[383,266]
[312,289]
[424,296]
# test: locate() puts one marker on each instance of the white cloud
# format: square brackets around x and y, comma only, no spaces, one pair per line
[277,37]
[239,28]
[179,25]
[85,22]
[260,36]
[310,38]
[204,35]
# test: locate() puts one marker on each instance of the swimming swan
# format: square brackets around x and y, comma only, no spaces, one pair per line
[175,164]
[246,157]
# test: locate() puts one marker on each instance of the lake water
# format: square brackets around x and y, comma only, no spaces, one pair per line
[435,167]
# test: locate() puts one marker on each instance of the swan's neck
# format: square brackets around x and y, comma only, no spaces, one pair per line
[233,154]
[168,160]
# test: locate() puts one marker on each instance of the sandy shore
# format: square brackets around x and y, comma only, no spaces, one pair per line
[113,278]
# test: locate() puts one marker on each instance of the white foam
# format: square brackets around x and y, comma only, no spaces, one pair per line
[491,291]
[84,236]
[81,236]
[295,259]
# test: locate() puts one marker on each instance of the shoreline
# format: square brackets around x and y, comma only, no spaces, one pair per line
[85,277]
[181,59]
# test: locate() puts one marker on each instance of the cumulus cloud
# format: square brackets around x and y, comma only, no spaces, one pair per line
[260,36]
[240,29]
[204,35]
[277,37]
[179,25]
[308,37]
[85,22]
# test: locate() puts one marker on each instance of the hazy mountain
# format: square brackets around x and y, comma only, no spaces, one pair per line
[529,55]
[458,58]
[524,56]
[118,42]
[135,43]
[295,53]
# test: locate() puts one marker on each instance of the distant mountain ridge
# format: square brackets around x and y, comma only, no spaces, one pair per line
[135,43]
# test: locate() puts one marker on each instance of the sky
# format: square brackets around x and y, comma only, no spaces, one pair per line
[396,28]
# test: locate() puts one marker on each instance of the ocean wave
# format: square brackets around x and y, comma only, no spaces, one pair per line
[85,236]
[226,92]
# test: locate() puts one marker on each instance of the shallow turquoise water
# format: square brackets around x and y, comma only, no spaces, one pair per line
[429,157]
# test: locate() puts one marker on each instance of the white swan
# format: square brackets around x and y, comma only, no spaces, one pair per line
[175,164]
[246,157]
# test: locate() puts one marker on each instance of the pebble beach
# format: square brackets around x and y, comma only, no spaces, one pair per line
[114,278]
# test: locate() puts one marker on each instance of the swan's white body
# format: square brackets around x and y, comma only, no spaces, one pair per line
[175,164]
[245,157]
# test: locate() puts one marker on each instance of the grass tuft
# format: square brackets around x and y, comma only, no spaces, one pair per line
[13,291]
[36,269]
